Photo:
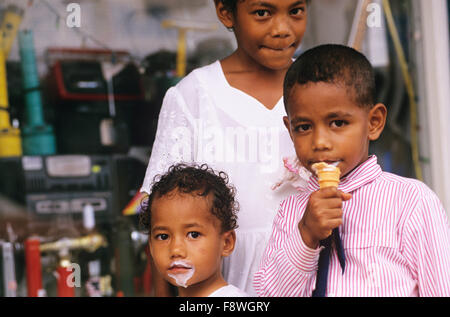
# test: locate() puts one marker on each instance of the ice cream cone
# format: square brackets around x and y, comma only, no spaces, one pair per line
[327,174]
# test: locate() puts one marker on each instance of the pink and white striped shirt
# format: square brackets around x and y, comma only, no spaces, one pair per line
[395,234]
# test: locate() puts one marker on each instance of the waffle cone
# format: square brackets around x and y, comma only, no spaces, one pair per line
[328,175]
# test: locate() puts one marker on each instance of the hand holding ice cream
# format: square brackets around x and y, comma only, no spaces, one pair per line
[324,210]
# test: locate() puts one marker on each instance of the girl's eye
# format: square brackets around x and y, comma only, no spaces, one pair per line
[338,123]
[162,236]
[297,11]
[194,234]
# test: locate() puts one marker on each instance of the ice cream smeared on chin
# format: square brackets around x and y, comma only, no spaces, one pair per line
[328,174]
[181,271]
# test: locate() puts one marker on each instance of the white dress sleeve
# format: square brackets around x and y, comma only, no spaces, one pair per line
[174,140]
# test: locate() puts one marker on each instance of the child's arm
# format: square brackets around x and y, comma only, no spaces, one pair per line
[289,264]
[426,246]
[174,140]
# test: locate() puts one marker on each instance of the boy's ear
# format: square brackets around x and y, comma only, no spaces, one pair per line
[377,121]
[225,16]
[229,241]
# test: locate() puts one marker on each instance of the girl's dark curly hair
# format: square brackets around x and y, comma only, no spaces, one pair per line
[197,180]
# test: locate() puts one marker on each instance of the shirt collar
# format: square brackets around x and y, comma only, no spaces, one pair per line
[360,176]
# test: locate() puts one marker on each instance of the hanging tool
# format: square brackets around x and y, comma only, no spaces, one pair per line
[90,243]
[183,27]
[38,137]
[33,267]
[107,126]
[409,88]
[33,249]
[9,271]
[10,142]
[109,70]
[356,39]
[359,25]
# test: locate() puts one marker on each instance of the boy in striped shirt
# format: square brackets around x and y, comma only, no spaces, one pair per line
[391,236]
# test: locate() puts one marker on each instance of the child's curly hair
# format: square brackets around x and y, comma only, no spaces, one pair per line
[197,180]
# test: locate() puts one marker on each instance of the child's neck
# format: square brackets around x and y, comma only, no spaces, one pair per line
[203,288]
[265,85]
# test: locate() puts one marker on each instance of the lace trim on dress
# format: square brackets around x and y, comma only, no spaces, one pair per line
[294,174]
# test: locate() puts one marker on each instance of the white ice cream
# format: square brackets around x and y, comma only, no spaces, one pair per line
[182,278]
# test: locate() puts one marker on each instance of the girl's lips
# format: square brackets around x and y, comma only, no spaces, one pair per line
[278,48]
[176,268]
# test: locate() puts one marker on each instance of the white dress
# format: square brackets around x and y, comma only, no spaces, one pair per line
[205,120]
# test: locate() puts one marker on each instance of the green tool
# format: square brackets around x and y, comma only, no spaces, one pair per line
[37,136]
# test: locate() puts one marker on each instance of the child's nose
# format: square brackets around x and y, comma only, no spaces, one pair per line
[281,27]
[177,248]
[321,140]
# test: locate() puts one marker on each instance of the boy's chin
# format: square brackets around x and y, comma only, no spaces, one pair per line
[178,285]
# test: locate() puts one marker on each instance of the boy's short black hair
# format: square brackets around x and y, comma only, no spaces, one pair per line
[196,180]
[333,64]
[230,5]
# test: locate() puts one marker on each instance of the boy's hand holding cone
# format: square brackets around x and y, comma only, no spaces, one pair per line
[324,210]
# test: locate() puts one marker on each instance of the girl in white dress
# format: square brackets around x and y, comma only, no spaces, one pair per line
[230,115]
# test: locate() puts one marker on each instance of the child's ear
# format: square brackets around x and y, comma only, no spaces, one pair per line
[224,15]
[377,121]
[229,240]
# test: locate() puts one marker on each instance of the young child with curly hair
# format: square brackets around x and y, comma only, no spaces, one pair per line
[191,217]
